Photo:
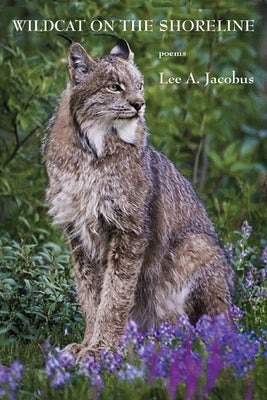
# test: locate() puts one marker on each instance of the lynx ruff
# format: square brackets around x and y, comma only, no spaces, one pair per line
[142,244]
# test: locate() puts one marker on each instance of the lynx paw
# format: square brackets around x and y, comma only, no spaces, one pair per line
[87,351]
[74,348]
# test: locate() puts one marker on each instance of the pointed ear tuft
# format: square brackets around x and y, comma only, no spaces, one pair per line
[122,49]
[80,63]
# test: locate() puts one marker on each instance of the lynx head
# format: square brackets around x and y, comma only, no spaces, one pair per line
[106,96]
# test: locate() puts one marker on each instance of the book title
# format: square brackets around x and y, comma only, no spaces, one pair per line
[145,25]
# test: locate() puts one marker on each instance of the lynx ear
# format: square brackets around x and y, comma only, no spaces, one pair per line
[122,49]
[80,63]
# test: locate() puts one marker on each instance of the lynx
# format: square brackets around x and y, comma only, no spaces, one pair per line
[142,244]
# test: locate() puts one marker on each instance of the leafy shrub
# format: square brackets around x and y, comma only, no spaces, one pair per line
[36,291]
[250,266]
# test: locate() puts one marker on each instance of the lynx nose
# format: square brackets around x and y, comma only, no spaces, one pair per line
[137,104]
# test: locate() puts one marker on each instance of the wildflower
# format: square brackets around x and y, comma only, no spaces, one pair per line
[183,329]
[164,359]
[59,366]
[111,360]
[238,350]
[193,369]
[229,248]
[170,353]
[10,377]
[236,314]
[249,279]
[244,253]
[152,369]
[165,333]
[263,341]
[264,255]
[214,366]
[129,373]
[246,229]
[175,374]
[66,359]
[131,335]
[91,368]
[263,273]
[186,367]
[148,354]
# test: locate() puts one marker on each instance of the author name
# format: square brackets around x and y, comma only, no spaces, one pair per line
[208,79]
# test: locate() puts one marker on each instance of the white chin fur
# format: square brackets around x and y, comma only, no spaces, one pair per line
[96,132]
[126,129]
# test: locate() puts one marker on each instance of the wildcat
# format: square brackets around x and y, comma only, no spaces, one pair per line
[142,244]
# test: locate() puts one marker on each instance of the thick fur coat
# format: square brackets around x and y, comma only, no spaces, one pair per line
[142,244]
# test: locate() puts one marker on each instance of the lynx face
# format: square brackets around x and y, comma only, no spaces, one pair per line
[106,96]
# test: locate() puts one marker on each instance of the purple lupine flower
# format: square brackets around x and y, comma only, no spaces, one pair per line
[236,314]
[156,363]
[193,370]
[214,366]
[91,368]
[148,355]
[153,369]
[237,350]
[10,378]
[130,372]
[244,253]
[264,255]
[241,354]
[165,333]
[164,358]
[111,361]
[175,376]
[186,367]
[263,342]
[204,328]
[246,229]
[263,273]
[131,335]
[66,359]
[59,367]
[183,328]
[250,282]
[229,248]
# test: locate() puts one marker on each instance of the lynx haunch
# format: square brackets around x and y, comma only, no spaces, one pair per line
[142,244]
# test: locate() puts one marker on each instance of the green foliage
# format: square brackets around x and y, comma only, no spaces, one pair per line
[249,263]
[37,294]
[230,206]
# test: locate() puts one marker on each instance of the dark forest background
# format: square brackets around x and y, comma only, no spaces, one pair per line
[216,135]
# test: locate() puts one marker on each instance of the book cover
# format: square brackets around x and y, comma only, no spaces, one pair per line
[204,67]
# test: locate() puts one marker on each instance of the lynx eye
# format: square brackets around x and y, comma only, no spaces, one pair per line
[114,88]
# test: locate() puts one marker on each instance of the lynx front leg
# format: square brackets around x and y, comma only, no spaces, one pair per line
[124,262]
[88,287]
